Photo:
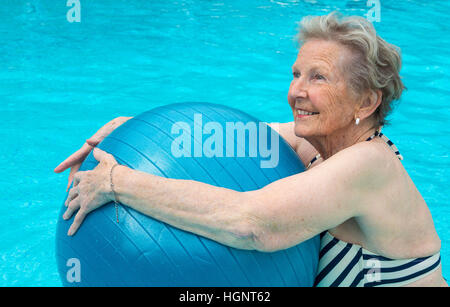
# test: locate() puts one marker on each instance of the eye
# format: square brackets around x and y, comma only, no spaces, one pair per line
[318,76]
[296,74]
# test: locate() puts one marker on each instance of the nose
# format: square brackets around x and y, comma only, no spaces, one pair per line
[298,88]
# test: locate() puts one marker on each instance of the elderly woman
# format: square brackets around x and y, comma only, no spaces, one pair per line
[355,192]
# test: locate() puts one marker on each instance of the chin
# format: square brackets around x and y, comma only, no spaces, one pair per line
[301,130]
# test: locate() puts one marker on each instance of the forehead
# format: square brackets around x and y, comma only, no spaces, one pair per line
[324,53]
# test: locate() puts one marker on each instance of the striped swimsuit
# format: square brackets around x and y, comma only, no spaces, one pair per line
[343,264]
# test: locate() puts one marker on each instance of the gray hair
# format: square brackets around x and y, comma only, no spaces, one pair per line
[376,63]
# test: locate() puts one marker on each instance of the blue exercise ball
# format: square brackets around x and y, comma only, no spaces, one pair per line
[184,141]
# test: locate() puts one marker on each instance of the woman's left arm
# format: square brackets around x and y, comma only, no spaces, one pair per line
[278,216]
[217,213]
[213,212]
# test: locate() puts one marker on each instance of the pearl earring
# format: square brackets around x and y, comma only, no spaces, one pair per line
[357,121]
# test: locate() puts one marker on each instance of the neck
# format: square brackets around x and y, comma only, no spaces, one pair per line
[331,144]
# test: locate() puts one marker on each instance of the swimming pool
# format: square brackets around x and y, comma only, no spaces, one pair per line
[61,81]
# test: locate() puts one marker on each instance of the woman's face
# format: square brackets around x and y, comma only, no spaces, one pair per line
[319,96]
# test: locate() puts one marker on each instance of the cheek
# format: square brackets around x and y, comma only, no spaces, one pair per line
[324,100]
[333,103]
[333,106]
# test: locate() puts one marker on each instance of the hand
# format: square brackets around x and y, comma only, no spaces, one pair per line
[76,159]
[91,190]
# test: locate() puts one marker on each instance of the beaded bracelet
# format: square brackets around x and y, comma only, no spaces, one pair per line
[116,203]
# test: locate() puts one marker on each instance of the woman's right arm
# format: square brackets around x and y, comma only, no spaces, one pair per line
[76,159]
[302,147]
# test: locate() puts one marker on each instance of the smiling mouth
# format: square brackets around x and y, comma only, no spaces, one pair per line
[303,113]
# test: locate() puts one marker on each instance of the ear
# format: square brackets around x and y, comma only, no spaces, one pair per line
[370,103]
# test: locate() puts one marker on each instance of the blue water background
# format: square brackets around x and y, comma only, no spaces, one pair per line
[61,81]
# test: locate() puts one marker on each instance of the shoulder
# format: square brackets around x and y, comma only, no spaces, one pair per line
[361,154]
[366,165]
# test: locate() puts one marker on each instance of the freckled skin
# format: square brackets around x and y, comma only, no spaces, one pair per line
[328,94]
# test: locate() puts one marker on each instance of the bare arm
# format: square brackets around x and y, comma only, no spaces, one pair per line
[296,208]
[278,216]
[213,212]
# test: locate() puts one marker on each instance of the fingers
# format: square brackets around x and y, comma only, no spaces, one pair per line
[101,155]
[92,142]
[73,171]
[77,157]
[77,177]
[79,218]
[72,194]
[73,206]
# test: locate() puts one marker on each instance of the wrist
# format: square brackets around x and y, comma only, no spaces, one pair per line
[113,187]
[115,183]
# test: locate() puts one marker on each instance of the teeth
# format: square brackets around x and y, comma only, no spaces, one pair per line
[301,112]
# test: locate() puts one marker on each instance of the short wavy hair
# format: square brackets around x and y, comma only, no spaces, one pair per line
[376,63]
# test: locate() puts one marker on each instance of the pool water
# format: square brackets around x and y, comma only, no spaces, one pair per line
[61,81]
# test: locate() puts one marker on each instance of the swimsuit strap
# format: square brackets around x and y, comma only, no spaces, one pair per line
[377,133]
[387,141]
[313,160]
